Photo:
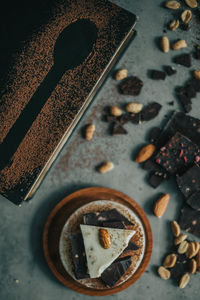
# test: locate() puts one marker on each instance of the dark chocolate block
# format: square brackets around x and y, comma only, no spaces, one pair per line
[98,218]
[187,125]
[115,271]
[154,135]
[78,256]
[184,60]
[150,111]
[170,70]
[194,200]
[131,86]
[190,220]
[155,74]
[189,182]
[177,154]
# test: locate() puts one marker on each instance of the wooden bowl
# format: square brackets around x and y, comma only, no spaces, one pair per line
[58,218]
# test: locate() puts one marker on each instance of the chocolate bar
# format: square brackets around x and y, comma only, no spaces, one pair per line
[187,125]
[190,220]
[194,200]
[177,154]
[78,256]
[115,224]
[115,271]
[98,218]
[189,182]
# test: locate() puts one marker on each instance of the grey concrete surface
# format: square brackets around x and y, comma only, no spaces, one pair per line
[23,270]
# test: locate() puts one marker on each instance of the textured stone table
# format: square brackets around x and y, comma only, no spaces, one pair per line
[23,270]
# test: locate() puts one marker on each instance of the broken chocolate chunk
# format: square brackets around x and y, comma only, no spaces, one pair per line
[170,70]
[98,218]
[171,103]
[190,220]
[194,200]
[184,60]
[78,256]
[154,135]
[118,129]
[150,111]
[125,118]
[190,91]
[155,74]
[187,125]
[177,154]
[155,180]
[131,85]
[186,102]
[197,52]
[109,118]
[137,118]
[179,269]
[195,83]
[189,182]
[115,271]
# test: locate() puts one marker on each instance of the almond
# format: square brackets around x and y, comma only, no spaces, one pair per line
[180,44]
[161,205]
[175,228]
[134,107]
[191,3]
[170,261]
[164,44]
[186,16]
[164,273]
[180,239]
[105,238]
[145,153]
[172,4]
[190,250]
[115,111]
[174,25]
[183,246]
[121,74]
[184,280]
[89,132]
[198,261]
[192,266]
[196,74]
[106,167]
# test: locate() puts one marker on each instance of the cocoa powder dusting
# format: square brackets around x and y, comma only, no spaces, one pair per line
[32,63]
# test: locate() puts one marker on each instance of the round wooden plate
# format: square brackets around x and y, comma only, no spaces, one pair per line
[58,218]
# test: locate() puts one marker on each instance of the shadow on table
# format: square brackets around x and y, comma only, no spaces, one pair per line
[38,222]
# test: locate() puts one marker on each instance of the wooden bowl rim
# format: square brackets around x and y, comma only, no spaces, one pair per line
[74,285]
